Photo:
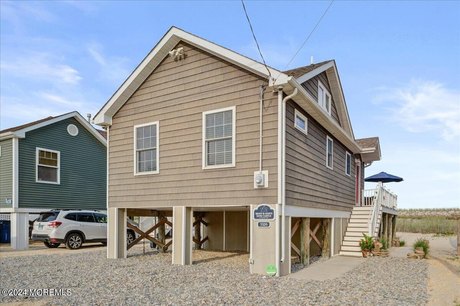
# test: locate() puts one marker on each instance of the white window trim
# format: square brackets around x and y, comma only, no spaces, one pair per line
[37,149]
[304,118]
[157,123]
[233,109]
[347,156]
[332,160]
[321,100]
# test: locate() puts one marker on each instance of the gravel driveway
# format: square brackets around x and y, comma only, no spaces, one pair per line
[151,279]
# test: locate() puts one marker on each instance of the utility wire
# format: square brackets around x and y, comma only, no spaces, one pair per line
[255,39]
[308,37]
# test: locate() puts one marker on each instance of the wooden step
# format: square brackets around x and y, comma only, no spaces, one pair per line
[354,228]
[366,208]
[352,254]
[360,213]
[353,238]
[366,216]
[358,221]
[355,234]
[351,248]
[350,243]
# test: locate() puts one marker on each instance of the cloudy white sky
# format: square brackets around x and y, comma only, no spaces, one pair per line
[399,64]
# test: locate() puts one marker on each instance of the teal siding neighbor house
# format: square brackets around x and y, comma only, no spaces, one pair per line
[53,163]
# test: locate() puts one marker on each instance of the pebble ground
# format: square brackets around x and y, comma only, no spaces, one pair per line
[216,278]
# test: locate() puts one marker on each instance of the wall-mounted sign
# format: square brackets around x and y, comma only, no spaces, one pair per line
[264,212]
[263,224]
[8,201]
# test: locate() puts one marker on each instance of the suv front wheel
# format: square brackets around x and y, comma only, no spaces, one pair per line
[74,241]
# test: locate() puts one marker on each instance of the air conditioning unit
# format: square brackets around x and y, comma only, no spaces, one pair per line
[261,179]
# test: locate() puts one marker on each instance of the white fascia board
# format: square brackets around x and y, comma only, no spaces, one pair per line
[315,72]
[160,51]
[312,108]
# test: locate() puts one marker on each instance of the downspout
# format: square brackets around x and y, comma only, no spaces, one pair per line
[261,99]
[283,169]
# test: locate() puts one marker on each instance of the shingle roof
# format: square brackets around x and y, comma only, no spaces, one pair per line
[103,133]
[370,142]
[20,127]
[299,71]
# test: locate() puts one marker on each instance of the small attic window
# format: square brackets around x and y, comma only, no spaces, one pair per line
[324,98]
[72,129]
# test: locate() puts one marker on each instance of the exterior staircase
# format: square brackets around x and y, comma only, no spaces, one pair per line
[360,222]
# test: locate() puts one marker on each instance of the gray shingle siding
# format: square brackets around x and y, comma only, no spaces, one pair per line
[6,172]
[82,169]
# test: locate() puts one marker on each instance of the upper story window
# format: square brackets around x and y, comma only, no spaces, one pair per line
[347,163]
[329,152]
[146,148]
[47,166]
[300,122]
[324,98]
[219,138]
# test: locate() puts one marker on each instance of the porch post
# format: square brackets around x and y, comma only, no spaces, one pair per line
[116,233]
[19,231]
[393,229]
[182,235]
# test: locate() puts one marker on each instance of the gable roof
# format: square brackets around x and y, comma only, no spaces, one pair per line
[303,74]
[21,130]
[287,81]
[160,51]
[300,71]
[370,149]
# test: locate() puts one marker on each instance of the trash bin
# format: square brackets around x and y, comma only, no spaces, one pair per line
[5,232]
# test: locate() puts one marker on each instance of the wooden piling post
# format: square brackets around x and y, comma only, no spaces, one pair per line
[325,249]
[197,236]
[161,231]
[393,230]
[305,241]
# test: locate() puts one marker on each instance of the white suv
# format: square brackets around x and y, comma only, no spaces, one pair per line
[72,227]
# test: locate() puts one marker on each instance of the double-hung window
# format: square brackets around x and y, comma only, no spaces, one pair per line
[324,98]
[329,152]
[47,166]
[146,149]
[300,122]
[347,163]
[219,138]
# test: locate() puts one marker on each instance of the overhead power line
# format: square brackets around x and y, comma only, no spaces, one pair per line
[309,35]
[255,39]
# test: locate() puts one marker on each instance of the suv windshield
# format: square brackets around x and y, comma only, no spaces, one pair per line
[47,216]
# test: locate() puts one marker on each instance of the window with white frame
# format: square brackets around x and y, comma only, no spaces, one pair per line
[48,166]
[300,122]
[347,163]
[329,152]
[219,138]
[146,148]
[324,98]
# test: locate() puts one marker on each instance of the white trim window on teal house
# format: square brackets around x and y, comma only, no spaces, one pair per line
[146,148]
[47,166]
[219,138]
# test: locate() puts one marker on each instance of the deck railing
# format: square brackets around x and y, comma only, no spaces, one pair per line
[378,198]
[386,198]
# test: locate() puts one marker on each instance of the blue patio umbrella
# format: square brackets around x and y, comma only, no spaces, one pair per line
[383,177]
